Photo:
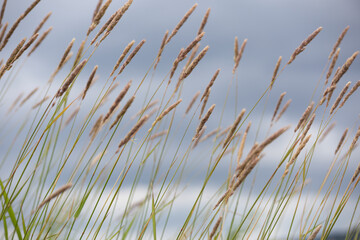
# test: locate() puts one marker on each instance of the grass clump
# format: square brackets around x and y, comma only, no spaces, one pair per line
[79,167]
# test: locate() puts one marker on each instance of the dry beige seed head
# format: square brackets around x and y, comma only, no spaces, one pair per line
[225,195]
[2,70]
[357,135]
[206,98]
[315,232]
[26,46]
[322,100]
[103,28]
[248,127]
[236,48]
[33,4]
[71,78]
[275,72]
[278,105]
[223,132]
[240,167]
[72,115]
[28,96]
[337,70]
[338,99]
[233,127]
[123,111]
[133,131]
[239,55]
[337,44]
[270,139]
[204,21]
[305,116]
[159,134]
[328,93]
[203,121]
[344,68]
[111,89]
[40,40]
[98,16]
[329,90]
[232,149]
[116,18]
[2,11]
[66,53]
[97,8]
[88,84]
[79,53]
[131,56]
[197,140]
[3,31]
[68,57]
[341,140]
[327,131]
[285,173]
[298,151]
[175,64]
[356,173]
[242,144]
[193,65]
[56,193]
[13,55]
[245,172]
[182,21]
[17,22]
[96,159]
[122,56]
[192,56]
[332,65]
[147,107]
[353,89]
[192,45]
[153,111]
[41,102]
[17,99]
[216,226]
[210,83]
[117,101]
[307,127]
[96,128]
[192,102]
[304,44]
[210,134]
[58,69]
[161,49]
[165,112]
[254,156]
[37,29]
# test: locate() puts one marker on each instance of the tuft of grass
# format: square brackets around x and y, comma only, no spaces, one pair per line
[71,170]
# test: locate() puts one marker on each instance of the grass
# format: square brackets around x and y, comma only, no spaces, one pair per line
[146,162]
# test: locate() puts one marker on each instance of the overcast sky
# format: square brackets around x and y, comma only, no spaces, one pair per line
[273,29]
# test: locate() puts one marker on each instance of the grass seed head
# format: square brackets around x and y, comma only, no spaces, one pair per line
[37,29]
[40,40]
[303,44]
[337,44]
[182,21]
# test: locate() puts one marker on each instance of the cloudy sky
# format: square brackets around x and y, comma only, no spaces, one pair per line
[273,29]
